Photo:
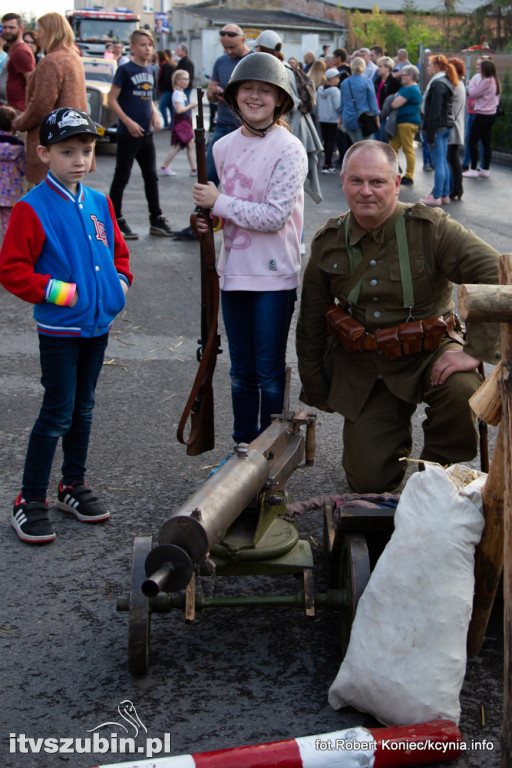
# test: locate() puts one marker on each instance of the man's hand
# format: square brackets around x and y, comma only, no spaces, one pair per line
[214,92]
[451,361]
[205,195]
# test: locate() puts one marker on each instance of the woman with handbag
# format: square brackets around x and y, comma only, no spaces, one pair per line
[358,109]
[407,102]
[182,132]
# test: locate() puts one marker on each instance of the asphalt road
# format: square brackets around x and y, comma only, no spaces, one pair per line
[233,677]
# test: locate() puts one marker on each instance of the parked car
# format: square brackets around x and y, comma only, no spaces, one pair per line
[99,75]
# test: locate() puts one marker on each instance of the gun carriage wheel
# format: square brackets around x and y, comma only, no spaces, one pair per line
[354,575]
[354,538]
[139,608]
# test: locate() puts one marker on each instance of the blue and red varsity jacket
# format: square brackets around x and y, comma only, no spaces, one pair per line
[53,235]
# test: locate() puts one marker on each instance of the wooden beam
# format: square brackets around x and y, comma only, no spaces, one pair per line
[489,552]
[506,392]
[485,303]
[486,402]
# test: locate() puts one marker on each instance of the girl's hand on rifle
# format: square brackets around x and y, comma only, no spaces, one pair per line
[199,224]
[205,195]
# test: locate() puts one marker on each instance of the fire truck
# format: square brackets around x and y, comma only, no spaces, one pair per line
[95,27]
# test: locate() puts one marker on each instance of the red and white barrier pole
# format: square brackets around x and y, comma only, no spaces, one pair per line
[394,747]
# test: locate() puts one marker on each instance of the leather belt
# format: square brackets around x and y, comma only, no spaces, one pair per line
[398,341]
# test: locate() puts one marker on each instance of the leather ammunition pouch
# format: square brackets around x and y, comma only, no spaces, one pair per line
[395,342]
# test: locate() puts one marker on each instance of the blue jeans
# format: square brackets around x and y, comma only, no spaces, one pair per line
[257,325]
[165,106]
[70,370]
[355,136]
[441,168]
[218,133]
[427,160]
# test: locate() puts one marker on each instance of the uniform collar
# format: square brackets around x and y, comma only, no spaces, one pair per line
[357,232]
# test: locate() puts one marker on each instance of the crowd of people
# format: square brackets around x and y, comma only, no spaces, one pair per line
[442,118]
[369,347]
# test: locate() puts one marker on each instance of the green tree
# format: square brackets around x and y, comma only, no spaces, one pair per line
[377,28]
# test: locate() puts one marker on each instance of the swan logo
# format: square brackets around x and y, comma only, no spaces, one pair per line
[121,738]
[129,714]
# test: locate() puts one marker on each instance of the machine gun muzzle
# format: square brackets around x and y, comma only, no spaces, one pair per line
[168,568]
[186,538]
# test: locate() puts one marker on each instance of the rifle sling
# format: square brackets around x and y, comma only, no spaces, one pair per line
[209,350]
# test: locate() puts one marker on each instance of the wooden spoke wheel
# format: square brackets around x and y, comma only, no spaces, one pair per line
[140,611]
[354,574]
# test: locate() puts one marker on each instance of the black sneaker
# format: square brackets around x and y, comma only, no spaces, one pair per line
[126,232]
[185,234]
[81,502]
[159,226]
[406,180]
[31,522]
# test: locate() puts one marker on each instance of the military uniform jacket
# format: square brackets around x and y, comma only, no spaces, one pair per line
[441,253]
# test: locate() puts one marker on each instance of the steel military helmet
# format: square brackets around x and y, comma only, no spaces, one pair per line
[267,69]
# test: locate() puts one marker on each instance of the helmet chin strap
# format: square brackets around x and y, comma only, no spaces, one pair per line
[262,132]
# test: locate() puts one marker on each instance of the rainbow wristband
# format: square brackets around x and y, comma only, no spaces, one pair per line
[60,293]
[219,224]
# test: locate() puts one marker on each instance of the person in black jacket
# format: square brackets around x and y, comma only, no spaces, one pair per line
[164,85]
[186,64]
[385,85]
[438,123]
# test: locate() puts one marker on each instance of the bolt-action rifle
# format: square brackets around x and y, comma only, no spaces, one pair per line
[200,404]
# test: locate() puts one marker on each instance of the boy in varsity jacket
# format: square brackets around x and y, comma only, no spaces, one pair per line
[64,253]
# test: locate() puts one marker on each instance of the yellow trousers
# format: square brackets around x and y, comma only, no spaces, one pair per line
[404,137]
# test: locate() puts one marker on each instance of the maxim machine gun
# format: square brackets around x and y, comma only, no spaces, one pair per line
[234,524]
[237,524]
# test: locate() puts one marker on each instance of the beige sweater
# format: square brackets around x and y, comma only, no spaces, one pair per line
[57,81]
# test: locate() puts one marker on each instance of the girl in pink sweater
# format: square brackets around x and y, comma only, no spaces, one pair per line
[262,168]
[485,90]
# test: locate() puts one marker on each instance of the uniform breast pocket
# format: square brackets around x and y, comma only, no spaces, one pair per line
[336,264]
[417,268]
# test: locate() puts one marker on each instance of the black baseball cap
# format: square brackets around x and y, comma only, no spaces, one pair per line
[63,123]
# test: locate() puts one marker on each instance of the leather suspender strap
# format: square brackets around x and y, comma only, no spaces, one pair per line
[405,264]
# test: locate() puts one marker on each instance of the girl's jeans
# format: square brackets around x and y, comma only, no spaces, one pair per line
[70,370]
[438,153]
[257,325]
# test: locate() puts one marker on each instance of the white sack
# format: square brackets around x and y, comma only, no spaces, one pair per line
[406,658]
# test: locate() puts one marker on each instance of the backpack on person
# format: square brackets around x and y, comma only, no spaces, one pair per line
[306,90]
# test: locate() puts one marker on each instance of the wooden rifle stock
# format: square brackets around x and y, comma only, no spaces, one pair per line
[200,405]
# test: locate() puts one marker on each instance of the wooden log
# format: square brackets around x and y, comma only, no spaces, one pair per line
[485,303]
[489,552]
[506,391]
[486,402]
